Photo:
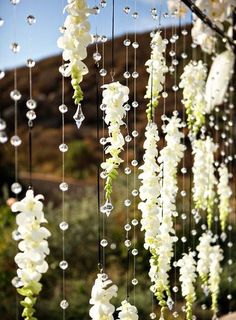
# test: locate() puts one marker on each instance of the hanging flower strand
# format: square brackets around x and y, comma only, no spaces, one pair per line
[204,179]
[102,292]
[34,249]
[156,67]
[74,41]
[224,191]
[193,82]
[187,278]
[203,265]
[127,311]
[115,95]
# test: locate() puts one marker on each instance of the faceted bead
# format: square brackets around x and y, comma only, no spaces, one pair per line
[16,141]
[135,15]
[127,10]
[16,235]
[134,193]
[3,137]
[15,47]
[63,226]
[1,22]
[104,243]
[127,243]
[2,74]
[64,304]
[127,107]
[16,282]
[103,3]
[63,186]
[127,42]
[134,252]
[15,95]
[134,163]
[63,265]
[152,315]
[134,282]
[14,2]
[2,124]
[79,116]
[31,104]
[126,75]
[63,108]
[31,19]
[31,115]
[135,104]
[134,222]
[128,138]
[135,133]
[16,188]
[127,170]
[103,72]
[97,56]
[127,202]
[127,227]
[135,45]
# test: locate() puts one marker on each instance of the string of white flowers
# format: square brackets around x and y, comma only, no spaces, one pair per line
[193,82]
[102,292]
[204,179]
[224,191]
[187,278]
[34,249]
[74,41]
[156,67]
[127,311]
[215,257]
[115,95]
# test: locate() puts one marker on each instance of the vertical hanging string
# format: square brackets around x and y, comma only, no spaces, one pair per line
[113,42]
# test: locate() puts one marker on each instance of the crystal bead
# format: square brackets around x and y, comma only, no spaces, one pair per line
[183,308]
[104,243]
[2,74]
[63,147]
[229,296]
[193,232]
[104,276]
[127,107]
[175,289]
[175,314]
[127,170]
[63,226]
[184,55]
[197,218]
[14,2]
[127,227]
[183,170]
[1,22]
[134,193]
[15,47]
[175,62]
[126,75]
[135,133]
[103,141]
[164,94]
[31,19]
[113,246]
[230,262]
[134,163]
[128,138]
[64,304]
[2,124]
[63,186]
[183,193]
[230,244]
[127,42]
[127,10]
[134,282]
[223,236]
[103,39]
[103,72]
[31,104]
[172,53]
[134,252]
[3,137]
[63,108]
[31,115]
[135,104]
[229,279]
[152,315]
[134,222]
[135,74]
[135,45]
[204,307]
[183,239]
[127,202]
[15,95]
[175,264]
[16,282]
[128,243]
[103,3]
[170,303]
[97,56]
[63,265]
[16,235]
[175,88]
[16,188]
[16,141]
[107,208]
[79,116]
[135,15]
[171,68]
[183,216]
[103,107]
[96,10]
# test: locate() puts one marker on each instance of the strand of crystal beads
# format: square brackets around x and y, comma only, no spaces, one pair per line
[3,125]
[63,224]
[15,95]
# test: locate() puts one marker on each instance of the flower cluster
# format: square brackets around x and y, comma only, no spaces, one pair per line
[215,10]
[204,179]
[34,249]
[115,95]
[193,82]
[156,67]
[102,292]
[224,191]
[176,7]
[187,278]
[74,41]
[209,258]
[149,191]
[127,311]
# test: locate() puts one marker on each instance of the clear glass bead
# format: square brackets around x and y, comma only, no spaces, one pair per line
[183,239]
[184,32]
[103,72]
[171,68]
[193,232]
[183,216]
[1,22]
[127,107]
[175,289]
[15,95]
[127,202]
[16,188]
[14,2]
[3,137]
[63,226]
[103,3]
[127,170]
[64,304]
[16,235]
[175,314]
[135,74]
[172,53]
[134,252]
[229,296]
[31,104]
[16,282]
[170,303]
[15,47]
[134,163]
[103,107]
[96,10]
[164,94]
[128,243]
[134,222]
[103,39]
[31,115]
[16,141]
[134,282]
[63,147]
[184,55]
[135,104]
[152,315]
[2,74]
[128,138]
[2,124]
[103,141]
[175,62]
[126,74]
[63,186]
[63,108]
[175,88]
[135,133]
[31,19]
[135,193]
[135,45]
[183,170]
[106,208]
[79,116]
[183,193]
[127,42]
[127,10]
[63,264]
[104,243]
[127,227]
[135,15]
[223,236]
[97,56]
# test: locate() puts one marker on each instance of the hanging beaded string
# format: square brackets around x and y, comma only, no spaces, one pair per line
[63,225]
[128,139]
[3,135]
[15,95]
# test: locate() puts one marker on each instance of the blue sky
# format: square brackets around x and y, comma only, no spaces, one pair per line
[39,40]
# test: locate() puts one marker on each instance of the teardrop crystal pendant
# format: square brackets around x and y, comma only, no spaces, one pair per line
[79,116]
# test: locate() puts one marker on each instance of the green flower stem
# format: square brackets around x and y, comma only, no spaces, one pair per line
[152,105]
[189,307]
[214,303]
[76,79]
[109,181]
